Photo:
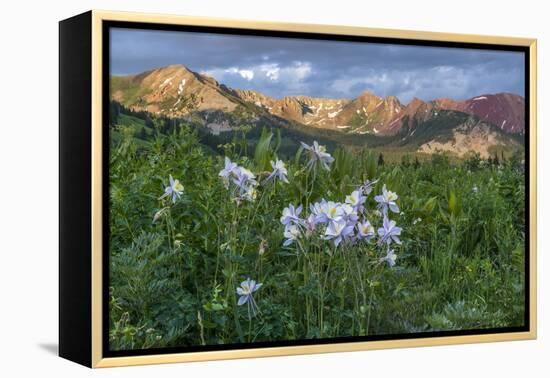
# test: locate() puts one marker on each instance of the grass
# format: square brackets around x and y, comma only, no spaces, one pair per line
[173,281]
[132,90]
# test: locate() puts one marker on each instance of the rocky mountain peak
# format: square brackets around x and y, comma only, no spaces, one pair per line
[175,89]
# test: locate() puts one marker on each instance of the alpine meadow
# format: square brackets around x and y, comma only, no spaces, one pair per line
[274,199]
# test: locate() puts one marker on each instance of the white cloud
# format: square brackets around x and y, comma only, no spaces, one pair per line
[345,85]
[428,84]
[299,70]
[293,77]
[245,74]
[270,70]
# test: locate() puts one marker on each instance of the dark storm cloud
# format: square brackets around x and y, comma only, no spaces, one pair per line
[281,66]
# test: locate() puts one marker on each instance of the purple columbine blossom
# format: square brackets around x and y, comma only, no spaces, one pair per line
[338,230]
[244,178]
[318,209]
[291,215]
[318,153]
[175,190]
[356,199]
[291,233]
[311,224]
[389,232]
[367,186]
[245,291]
[349,213]
[389,258]
[230,168]
[365,230]
[279,171]
[333,211]
[387,200]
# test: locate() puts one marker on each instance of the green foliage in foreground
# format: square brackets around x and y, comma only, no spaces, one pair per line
[173,281]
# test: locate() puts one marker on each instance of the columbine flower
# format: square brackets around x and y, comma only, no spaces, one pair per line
[365,230]
[292,233]
[229,169]
[244,178]
[246,183]
[333,211]
[389,232]
[356,199]
[291,215]
[175,189]
[251,193]
[387,199]
[318,153]
[389,258]
[319,209]
[338,230]
[475,189]
[349,213]
[367,186]
[246,290]
[311,224]
[279,171]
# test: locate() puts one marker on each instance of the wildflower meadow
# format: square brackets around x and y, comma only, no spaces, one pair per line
[242,243]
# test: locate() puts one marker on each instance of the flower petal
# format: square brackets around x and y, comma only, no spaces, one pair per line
[242,300]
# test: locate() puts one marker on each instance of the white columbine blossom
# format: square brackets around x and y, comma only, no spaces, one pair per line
[243,179]
[387,200]
[251,193]
[292,233]
[389,232]
[279,171]
[318,153]
[367,186]
[356,199]
[291,215]
[333,211]
[389,258]
[338,230]
[229,169]
[175,189]
[365,230]
[350,213]
[341,221]
[245,292]
[318,209]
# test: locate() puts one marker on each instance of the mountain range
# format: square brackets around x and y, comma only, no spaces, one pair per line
[478,124]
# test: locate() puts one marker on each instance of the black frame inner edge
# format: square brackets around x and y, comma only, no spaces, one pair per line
[107,25]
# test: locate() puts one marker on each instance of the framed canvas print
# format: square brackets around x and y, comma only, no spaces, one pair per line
[235,189]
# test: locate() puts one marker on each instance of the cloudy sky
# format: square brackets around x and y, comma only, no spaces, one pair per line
[280,66]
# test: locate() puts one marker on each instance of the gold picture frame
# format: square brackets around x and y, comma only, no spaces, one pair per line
[93,25]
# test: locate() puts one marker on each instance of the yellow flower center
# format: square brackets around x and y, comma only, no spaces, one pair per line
[390,196]
[178,186]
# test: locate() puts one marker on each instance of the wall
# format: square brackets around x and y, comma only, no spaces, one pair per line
[28,154]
